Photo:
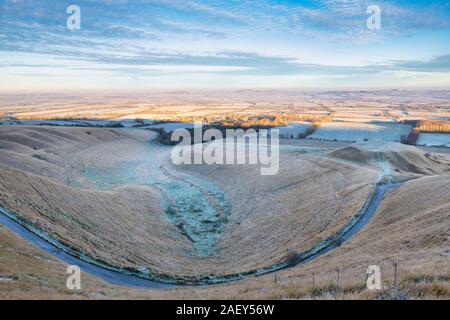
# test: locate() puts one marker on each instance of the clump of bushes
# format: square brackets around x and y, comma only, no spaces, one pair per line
[292,257]
[39,157]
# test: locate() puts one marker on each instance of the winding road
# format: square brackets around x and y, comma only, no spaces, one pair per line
[121,277]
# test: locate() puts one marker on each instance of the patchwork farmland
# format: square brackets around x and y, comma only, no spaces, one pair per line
[354,131]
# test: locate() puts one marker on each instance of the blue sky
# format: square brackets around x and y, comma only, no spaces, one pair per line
[221,44]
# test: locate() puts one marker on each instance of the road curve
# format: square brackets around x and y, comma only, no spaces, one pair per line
[124,278]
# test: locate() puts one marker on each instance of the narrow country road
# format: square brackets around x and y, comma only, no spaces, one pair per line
[120,277]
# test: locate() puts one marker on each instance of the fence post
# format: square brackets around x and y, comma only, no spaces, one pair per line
[314,280]
[337,279]
[292,282]
[395,273]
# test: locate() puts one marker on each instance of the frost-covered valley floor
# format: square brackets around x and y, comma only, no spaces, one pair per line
[114,196]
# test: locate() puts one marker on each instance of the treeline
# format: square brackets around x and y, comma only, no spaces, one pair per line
[255,121]
[424,126]
[430,126]
[236,120]
[314,118]
[165,137]
[440,126]
[411,138]
[301,135]
[249,121]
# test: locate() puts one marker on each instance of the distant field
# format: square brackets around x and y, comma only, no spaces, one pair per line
[351,106]
[434,139]
[294,129]
[170,126]
[354,131]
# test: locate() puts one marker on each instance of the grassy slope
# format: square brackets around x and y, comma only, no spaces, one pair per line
[406,229]
[125,227]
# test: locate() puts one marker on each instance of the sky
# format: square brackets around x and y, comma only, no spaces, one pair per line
[223,44]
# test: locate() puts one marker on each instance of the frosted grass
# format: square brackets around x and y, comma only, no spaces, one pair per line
[189,210]
[353,131]
[301,149]
[197,207]
[434,140]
